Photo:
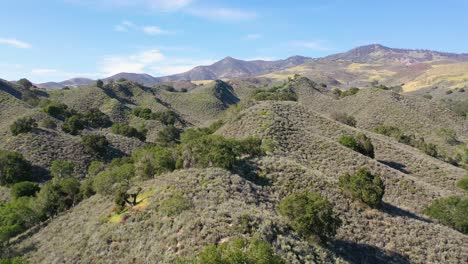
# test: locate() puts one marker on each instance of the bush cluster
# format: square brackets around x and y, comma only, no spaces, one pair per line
[23,125]
[310,214]
[364,186]
[13,167]
[451,211]
[128,131]
[361,143]
[95,144]
[277,93]
[239,250]
[166,118]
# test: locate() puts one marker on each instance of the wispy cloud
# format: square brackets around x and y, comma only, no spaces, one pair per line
[222,13]
[15,43]
[312,45]
[136,63]
[154,30]
[253,36]
[157,5]
[44,71]
[126,26]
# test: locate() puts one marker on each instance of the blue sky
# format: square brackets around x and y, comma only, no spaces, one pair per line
[53,40]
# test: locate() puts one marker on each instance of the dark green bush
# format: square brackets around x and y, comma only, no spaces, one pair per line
[23,125]
[110,180]
[13,167]
[364,186]
[25,188]
[169,134]
[128,131]
[449,135]
[95,118]
[73,125]
[99,83]
[239,250]
[56,110]
[275,94]
[344,118]
[49,123]
[17,260]
[16,216]
[389,131]
[351,91]
[58,195]
[200,149]
[153,161]
[62,168]
[144,113]
[95,144]
[310,214]
[361,143]
[166,118]
[451,211]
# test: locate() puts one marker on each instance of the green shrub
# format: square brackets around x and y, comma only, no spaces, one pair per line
[389,131]
[95,118]
[183,90]
[199,149]
[174,205]
[169,134]
[16,216]
[13,167]
[22,125]
[87,188]
[153,161]
[73,125]
[361,143]
[310,214]
[463,184]
[58,195]
[144,113]
[351,91]
[95,144]
[277,93]
[95,167]
[110,180]
[49,123]
[364,186]
[99,83]
[451,211]
[237,251]
[56,110]
[128,131]
[166,118]
[344,118]
[25,188]
[62,168]
[427,96]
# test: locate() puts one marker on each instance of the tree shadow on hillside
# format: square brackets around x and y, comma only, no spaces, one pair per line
[248,170]
[395,165]
[112,153]
[41,174]
[365,254]
[395,211]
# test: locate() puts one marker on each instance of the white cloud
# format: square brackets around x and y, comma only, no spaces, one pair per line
[174,66]
[228,14]
[136,63]
[15,43]
[154,30]
[44,71]
[253,36]
[313,45]
[159,5]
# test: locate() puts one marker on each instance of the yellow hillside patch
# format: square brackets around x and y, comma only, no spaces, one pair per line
[142,204]
[369,69]
[202,82]
[456,73]
[284,74]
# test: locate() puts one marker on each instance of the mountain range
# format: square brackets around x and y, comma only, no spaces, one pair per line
[360,66]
